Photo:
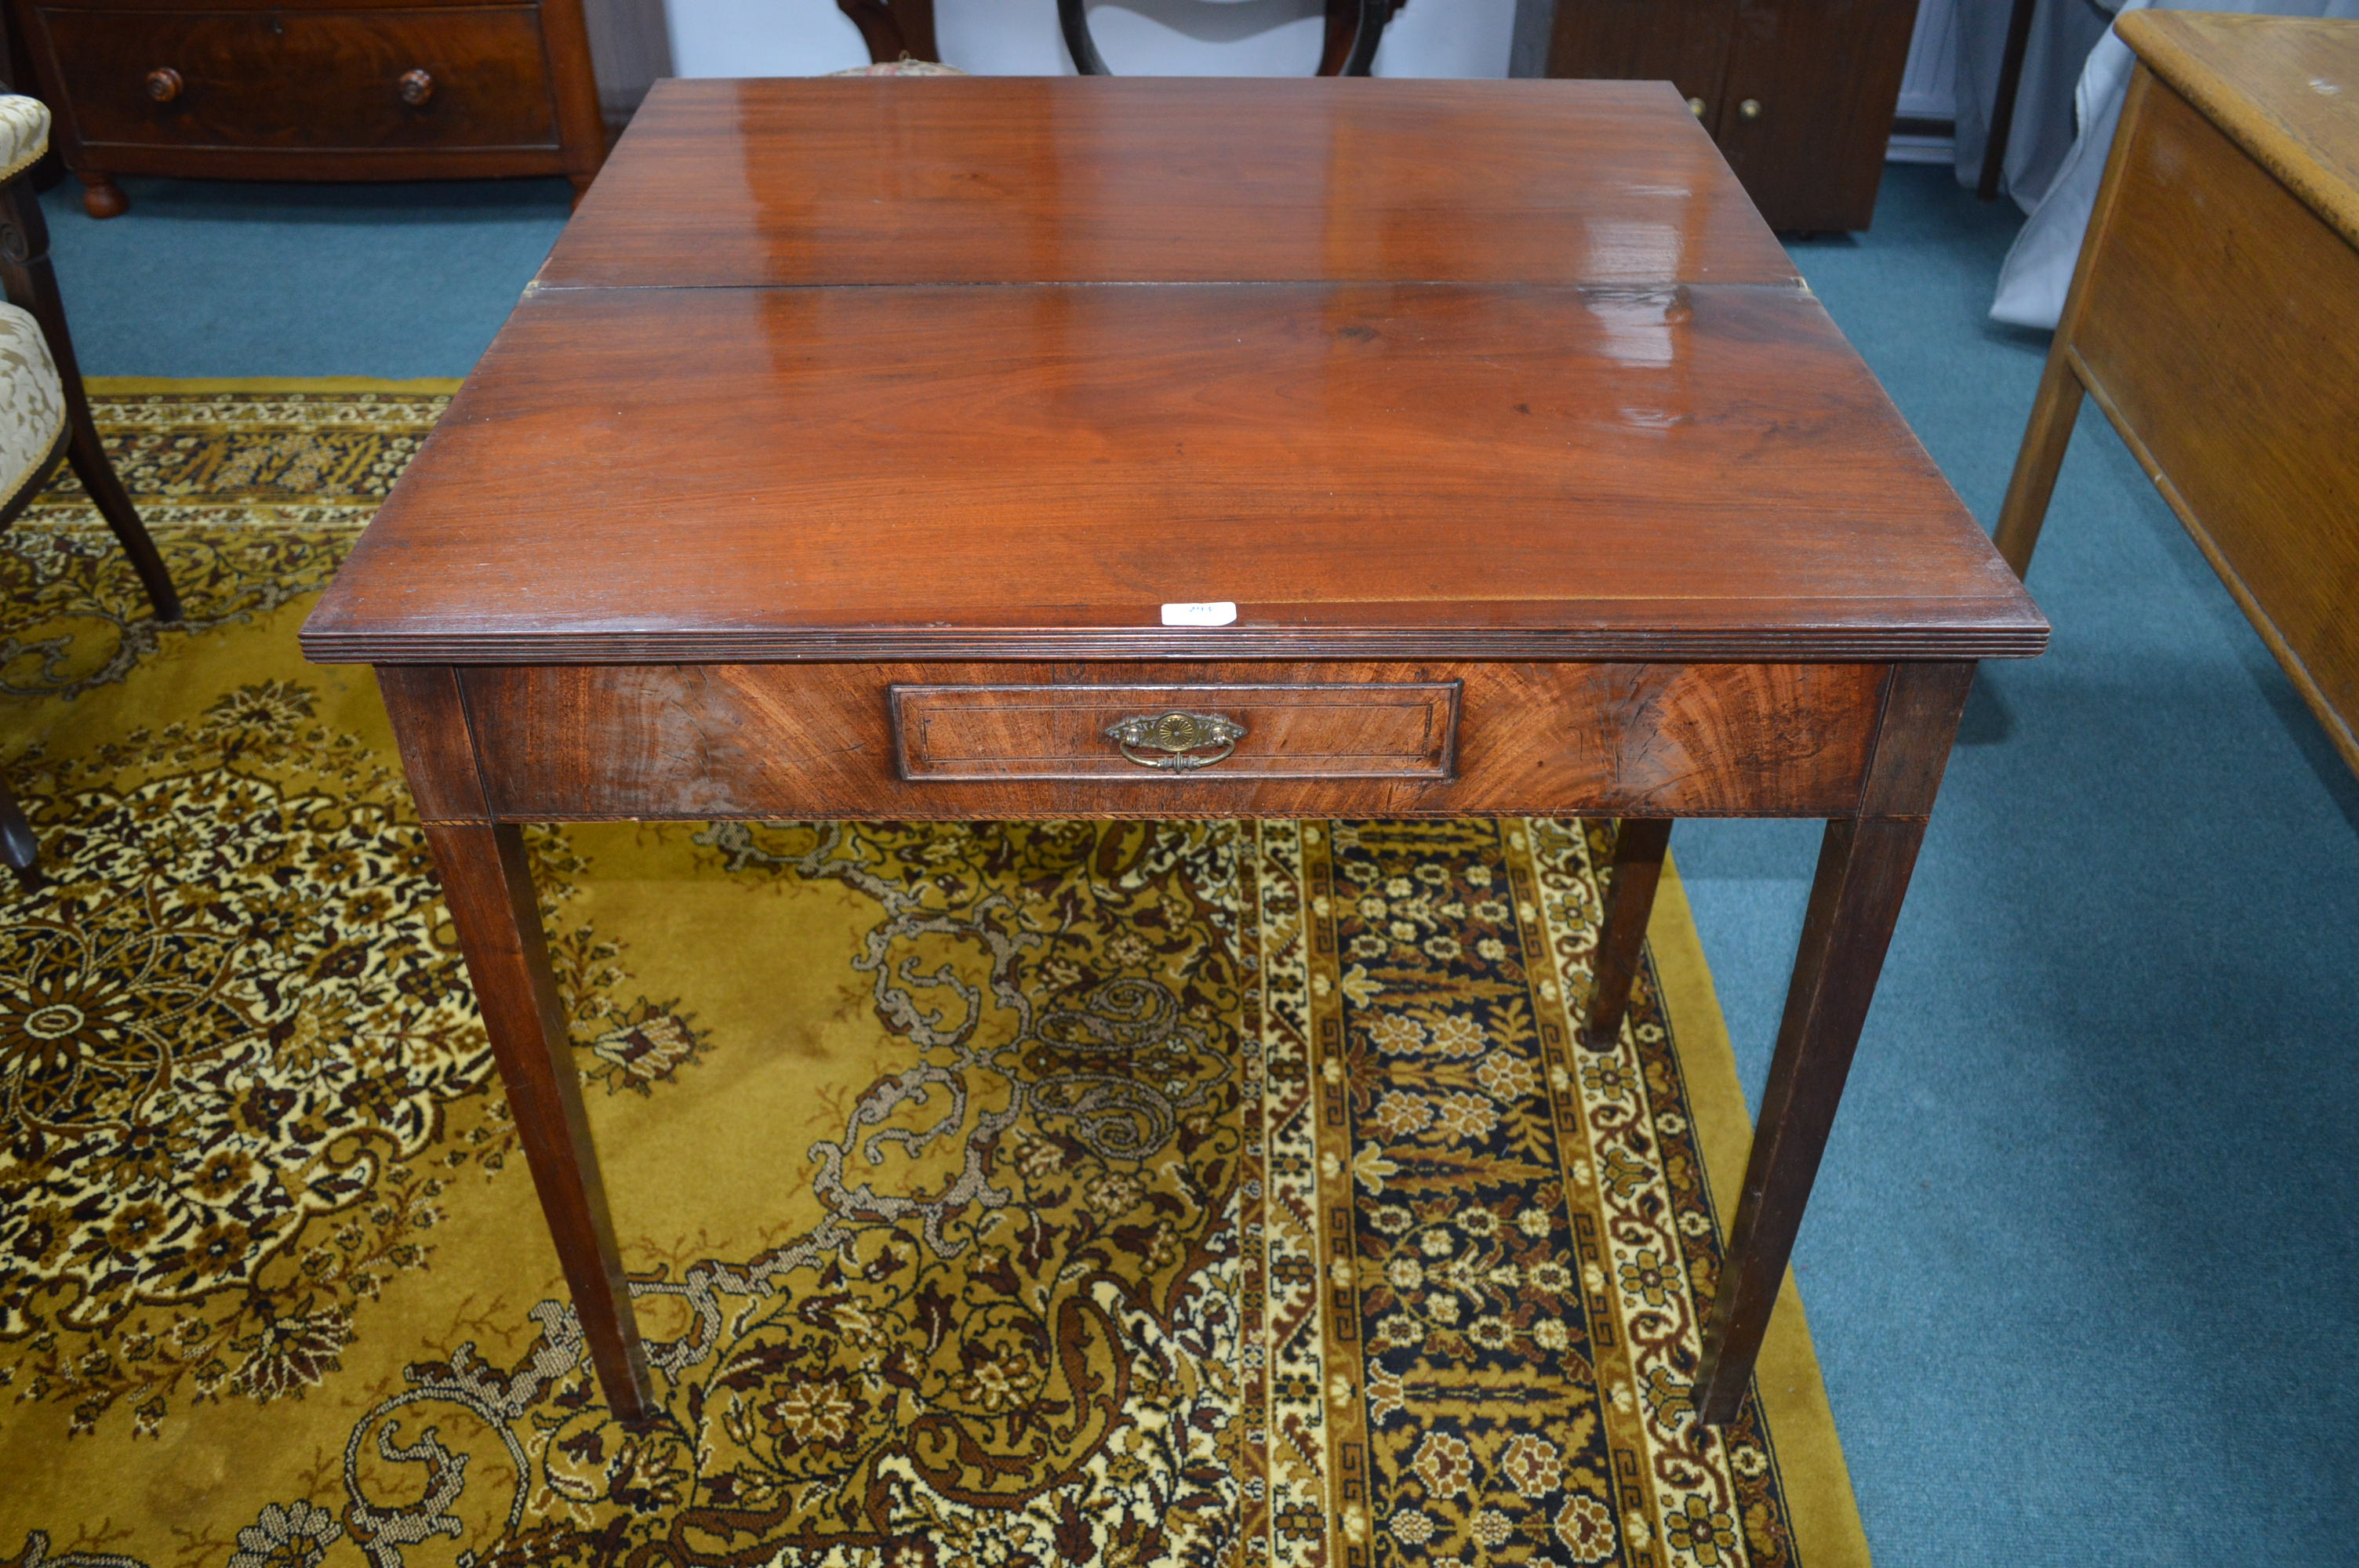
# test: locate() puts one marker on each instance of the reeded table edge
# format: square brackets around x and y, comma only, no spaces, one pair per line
[2014,640]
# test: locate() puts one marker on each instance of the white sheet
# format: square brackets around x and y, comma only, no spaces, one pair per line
[2062,34]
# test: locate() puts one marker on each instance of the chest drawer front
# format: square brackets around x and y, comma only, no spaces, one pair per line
[1175,731]
[473,76]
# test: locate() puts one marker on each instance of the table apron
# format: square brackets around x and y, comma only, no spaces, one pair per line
[803,740]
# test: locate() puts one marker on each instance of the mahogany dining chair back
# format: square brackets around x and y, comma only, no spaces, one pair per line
[899,30]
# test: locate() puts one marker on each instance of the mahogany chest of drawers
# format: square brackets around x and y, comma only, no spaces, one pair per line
[1799,94]
[315,88]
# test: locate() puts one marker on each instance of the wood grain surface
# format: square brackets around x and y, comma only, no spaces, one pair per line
[438,746]
[2285,89]
[1368,470]
[803,740]
[948,179]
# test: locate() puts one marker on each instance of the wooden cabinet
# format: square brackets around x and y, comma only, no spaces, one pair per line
[1799,93]
[290,90]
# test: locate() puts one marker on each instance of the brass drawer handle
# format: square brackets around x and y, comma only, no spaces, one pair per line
[163,85]
[1181,737]
[1750,109]
[414,87]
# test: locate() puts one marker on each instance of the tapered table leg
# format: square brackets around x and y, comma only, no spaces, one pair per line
[488,884]
[1638,846]
[1863,867]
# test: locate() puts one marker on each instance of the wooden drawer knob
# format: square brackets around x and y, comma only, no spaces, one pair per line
[163,85]
[414,87]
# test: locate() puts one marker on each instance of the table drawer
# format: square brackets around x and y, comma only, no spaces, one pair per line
[1392,730]
[463,76]
[1027,740]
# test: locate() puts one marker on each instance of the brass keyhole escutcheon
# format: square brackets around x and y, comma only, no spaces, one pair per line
[414,87]
[1184,738]
[163,85]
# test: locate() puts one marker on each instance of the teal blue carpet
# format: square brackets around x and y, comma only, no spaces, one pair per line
[261,280]
[2084,1264]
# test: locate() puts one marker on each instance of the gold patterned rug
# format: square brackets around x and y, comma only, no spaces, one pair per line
[1022,1193]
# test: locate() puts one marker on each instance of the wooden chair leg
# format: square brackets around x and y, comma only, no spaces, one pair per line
[1864,869]
[892,28]
[2045,438]
[2010,82]
[488,883]
[88,456]
[1075,23]
[1354,29]
[1638,847]
[17,845]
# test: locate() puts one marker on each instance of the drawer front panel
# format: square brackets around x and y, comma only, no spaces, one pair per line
[818,741]
[303,81]
[1398,731]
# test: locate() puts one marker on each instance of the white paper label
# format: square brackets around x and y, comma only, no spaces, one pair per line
[1220,613]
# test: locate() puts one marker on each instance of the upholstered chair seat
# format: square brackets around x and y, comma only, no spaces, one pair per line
[905,66]
[24,132]
[32,403]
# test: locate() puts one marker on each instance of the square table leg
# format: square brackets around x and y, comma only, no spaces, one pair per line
[1864,862]
[487,882]
[1862,873]
[1638,846]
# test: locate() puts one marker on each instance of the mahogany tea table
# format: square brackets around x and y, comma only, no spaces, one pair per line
[961,448]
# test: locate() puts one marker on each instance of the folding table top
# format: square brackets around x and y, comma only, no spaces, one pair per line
[958,367]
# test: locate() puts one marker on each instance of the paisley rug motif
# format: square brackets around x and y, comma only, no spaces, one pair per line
[1023,1193]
